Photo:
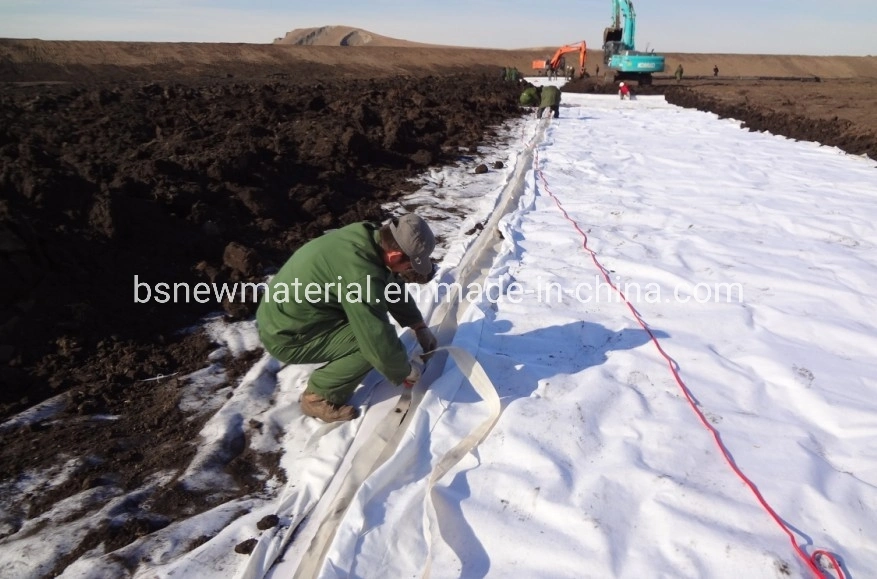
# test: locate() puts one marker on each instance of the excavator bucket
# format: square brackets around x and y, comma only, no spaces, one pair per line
[612,34]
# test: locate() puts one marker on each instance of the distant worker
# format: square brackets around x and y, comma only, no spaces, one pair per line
[550,100]
[561,67]
[624,91]
[530,97]
[597,72]
[679,73]
[715,70]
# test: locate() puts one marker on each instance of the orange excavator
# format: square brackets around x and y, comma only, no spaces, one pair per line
[579,47]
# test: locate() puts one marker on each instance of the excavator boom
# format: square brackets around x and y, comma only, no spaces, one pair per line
[579,47]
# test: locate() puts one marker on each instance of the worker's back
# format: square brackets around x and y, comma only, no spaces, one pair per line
[550,96]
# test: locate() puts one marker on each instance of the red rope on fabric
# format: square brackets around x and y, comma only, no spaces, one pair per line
[813,560]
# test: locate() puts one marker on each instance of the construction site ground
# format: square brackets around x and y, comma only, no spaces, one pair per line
[217,172]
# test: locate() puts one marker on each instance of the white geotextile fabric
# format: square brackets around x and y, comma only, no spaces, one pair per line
[597,466]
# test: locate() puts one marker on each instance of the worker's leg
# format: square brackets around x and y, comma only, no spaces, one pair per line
[556,110]
[344,364]
[539,112]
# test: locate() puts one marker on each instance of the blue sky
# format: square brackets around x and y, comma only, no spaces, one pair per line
[820,27]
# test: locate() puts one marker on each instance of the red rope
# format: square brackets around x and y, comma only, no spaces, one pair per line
[813,560]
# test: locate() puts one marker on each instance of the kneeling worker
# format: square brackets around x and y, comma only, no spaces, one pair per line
[341,288]
[550,100]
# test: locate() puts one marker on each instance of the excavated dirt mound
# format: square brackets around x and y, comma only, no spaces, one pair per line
[841,133]
[836,112]
[184,183]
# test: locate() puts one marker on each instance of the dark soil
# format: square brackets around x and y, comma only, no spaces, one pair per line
[177,182]
[202,180]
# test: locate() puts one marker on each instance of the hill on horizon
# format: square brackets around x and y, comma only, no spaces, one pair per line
[340,35]
[343,35]
[694,63]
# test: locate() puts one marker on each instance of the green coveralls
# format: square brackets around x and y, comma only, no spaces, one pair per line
[550,100]
[342,319]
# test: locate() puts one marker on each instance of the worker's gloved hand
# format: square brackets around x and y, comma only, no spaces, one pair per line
[414,373]
[427,340]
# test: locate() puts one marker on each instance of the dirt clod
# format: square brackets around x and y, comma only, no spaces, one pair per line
[268,522]
[245,547]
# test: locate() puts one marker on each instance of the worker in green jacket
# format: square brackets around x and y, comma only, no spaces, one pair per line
[330,302]
[550,100]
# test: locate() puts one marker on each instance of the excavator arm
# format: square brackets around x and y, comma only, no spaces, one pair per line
[620,36]
[579,47]
[628,34]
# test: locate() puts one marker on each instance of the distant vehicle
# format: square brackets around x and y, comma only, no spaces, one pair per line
[541,65]
[619,49]
[556,61]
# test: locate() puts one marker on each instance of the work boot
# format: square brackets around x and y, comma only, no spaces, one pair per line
[316,406]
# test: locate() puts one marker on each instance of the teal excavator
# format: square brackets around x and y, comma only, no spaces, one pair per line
[619,51]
